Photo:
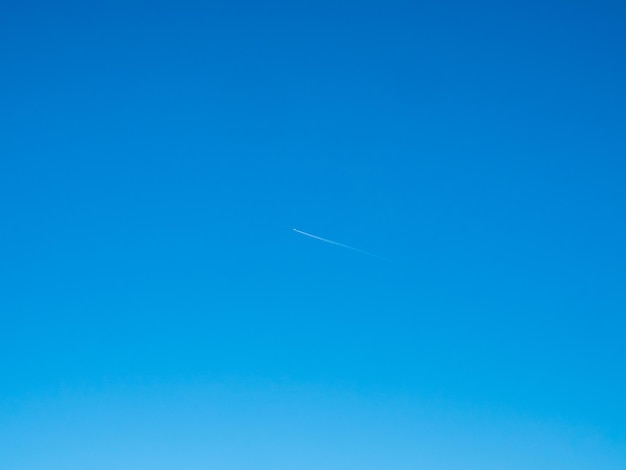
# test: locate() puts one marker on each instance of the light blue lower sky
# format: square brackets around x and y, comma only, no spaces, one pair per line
[281,425]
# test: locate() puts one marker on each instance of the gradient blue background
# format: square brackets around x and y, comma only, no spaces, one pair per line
[157,310]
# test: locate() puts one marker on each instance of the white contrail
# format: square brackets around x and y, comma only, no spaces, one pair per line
[338,244]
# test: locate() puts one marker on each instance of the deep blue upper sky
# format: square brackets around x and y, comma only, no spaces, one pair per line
[154,157]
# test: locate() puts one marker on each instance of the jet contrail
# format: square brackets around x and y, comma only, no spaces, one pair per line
[338,244]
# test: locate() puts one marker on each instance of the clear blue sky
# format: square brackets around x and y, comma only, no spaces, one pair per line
[158,311]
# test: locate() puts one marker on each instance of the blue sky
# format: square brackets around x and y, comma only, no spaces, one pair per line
[157,310]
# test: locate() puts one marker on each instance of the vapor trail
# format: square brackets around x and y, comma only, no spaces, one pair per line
[338,244]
